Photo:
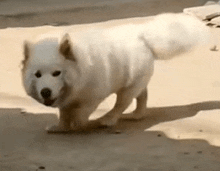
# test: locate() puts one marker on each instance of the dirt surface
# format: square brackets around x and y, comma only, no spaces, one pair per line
[180,133]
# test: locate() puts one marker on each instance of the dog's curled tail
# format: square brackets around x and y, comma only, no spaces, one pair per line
[169,35]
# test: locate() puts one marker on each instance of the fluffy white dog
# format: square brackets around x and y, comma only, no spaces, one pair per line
[77,71]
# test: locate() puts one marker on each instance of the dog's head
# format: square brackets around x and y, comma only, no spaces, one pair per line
[45,68]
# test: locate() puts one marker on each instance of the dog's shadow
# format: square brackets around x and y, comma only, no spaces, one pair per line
[157,115]
[153,117]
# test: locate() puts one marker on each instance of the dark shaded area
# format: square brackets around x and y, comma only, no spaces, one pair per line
[25,145]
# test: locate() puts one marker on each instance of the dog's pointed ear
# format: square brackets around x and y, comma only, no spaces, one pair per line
[26,51]
[66,47]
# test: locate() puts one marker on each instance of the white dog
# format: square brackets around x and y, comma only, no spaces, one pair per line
[77,71]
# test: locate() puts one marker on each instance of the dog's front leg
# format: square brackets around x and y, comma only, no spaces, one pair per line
[81,115]
[64,122]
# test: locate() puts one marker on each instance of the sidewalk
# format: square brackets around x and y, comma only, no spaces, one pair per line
[25,13]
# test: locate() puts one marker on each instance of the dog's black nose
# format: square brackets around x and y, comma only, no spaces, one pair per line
[45,93]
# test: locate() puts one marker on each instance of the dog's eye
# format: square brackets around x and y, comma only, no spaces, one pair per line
[38,74]
[56,73]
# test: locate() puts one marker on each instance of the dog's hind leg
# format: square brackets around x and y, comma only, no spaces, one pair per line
[140,111]
[124,99]
[122,102]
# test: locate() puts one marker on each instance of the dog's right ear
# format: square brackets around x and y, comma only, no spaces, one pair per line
[66,47]
[26,51]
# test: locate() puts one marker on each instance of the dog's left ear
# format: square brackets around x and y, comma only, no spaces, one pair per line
[66,47]
[26,52]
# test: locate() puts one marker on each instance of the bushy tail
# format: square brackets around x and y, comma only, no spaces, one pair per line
[171,34]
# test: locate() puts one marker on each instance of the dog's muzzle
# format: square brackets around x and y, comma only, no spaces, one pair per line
[46,94]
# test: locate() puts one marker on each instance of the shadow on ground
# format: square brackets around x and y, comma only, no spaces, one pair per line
[163,114]
[24,145]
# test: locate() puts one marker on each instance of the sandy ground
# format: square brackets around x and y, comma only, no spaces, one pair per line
[181,132]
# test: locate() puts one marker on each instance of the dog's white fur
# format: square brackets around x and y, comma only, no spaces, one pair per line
[96,63]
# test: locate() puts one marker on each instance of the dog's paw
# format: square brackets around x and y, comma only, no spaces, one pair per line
[57,129]
[108,121]
[132,116]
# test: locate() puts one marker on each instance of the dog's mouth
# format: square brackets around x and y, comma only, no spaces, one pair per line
[56,101]
[49,102]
